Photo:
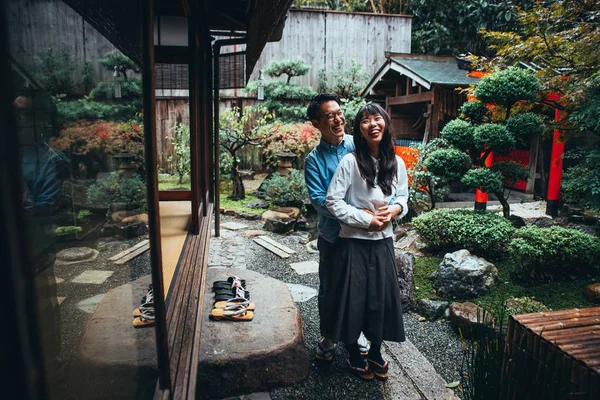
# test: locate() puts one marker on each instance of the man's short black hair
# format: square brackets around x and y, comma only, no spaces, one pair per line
[315,104]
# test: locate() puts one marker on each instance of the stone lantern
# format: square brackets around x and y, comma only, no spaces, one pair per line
[284,162]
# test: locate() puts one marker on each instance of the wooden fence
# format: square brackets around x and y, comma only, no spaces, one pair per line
[29,24]
[322,38]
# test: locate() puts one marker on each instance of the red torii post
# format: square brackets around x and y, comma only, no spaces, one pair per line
[556,163]
[481,197]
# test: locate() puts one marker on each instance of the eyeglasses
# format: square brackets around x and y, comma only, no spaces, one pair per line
[331,116]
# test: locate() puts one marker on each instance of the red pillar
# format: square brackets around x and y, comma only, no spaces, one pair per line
[481,197]
[556,165]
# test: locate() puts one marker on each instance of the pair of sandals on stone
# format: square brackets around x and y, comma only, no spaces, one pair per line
[232,301]
[144,316]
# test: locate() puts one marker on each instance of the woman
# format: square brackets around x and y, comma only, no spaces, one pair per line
[368,190]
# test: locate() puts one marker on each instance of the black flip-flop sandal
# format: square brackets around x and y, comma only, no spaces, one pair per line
[228,295]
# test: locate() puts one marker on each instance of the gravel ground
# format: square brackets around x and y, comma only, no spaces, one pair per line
[438,343]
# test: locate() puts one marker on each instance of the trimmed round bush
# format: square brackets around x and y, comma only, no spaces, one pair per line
[285,191]
[474,111]
[552,253]
[459,134]
[481,233]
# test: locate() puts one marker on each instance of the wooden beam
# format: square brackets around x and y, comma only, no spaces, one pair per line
[435,114]
[409,99]
[174,195]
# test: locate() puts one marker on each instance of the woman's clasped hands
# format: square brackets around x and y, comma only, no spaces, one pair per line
[383,217]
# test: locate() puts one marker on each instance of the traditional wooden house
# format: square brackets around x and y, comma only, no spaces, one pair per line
[419,93]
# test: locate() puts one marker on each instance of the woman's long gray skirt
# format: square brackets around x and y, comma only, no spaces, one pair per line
[363,294]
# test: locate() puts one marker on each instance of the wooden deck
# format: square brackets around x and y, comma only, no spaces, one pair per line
[184,313]
[553,355]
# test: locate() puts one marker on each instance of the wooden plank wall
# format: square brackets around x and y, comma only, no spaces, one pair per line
[29,24]
[322,38]
[168,113]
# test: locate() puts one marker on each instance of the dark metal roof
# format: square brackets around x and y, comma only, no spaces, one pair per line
[439,72]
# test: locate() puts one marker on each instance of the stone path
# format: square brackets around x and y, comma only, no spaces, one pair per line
[412,376]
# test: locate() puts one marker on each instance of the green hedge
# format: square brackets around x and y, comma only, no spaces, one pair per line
[480,232]
[69,111]
[555,252]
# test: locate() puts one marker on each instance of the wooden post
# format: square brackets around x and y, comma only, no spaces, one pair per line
[162,347]
[194,125]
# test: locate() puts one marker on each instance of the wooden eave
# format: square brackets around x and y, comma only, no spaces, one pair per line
[260,19]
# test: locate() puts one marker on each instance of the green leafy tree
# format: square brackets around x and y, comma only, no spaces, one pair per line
[291,68]
[480,131]
[561,38]
[180,159]
[237,130]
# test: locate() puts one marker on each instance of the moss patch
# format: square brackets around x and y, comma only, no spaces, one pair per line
[554,295]
[237,205]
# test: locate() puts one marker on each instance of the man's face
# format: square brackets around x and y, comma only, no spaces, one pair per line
[330,121]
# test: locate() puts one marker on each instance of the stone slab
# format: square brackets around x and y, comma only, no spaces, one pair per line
[89,305]
[305,267]
[233,226]
[256,355]
[301,293]
[398,385]
[93,276]
[420,371]
[116,359]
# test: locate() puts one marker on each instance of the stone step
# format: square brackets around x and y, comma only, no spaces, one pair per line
[245,357]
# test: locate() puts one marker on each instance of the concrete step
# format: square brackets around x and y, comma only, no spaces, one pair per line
[245,357]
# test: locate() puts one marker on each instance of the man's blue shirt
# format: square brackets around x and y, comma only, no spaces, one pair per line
[319,166]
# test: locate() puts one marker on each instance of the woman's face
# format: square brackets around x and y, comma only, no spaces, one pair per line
[372,128]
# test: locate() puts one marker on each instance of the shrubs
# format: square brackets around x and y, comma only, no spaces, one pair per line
[479,232]
[118,189]
[545,253]
[295,138]
[69,111]
[287,190]
[523,305]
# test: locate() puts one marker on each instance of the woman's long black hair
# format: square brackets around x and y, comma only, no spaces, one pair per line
[387,157]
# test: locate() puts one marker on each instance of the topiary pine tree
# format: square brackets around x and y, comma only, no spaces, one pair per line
[495,121]
[285,99]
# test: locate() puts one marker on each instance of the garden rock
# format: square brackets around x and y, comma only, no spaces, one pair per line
[405,264]
[312,247]
[136,218]
[291,212]
[461,274]
[126,231]
[592,293]
[432,309]
[249,216]
[76,254]
[256,204]
[120,216]
[467,319]
[517,221]
[300,237]
[269,214]
[279,225]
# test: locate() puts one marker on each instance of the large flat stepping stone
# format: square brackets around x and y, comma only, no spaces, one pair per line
[234,226]
[305,267]
[116,359]
[301,293]
[89,305]
[245,357]
[93,276]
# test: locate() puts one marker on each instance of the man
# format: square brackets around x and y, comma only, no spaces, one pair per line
[325,114]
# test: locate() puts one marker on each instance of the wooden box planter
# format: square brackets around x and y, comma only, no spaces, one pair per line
[553,355]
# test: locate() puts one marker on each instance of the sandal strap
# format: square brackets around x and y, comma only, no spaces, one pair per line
[241,311]
[239,300]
